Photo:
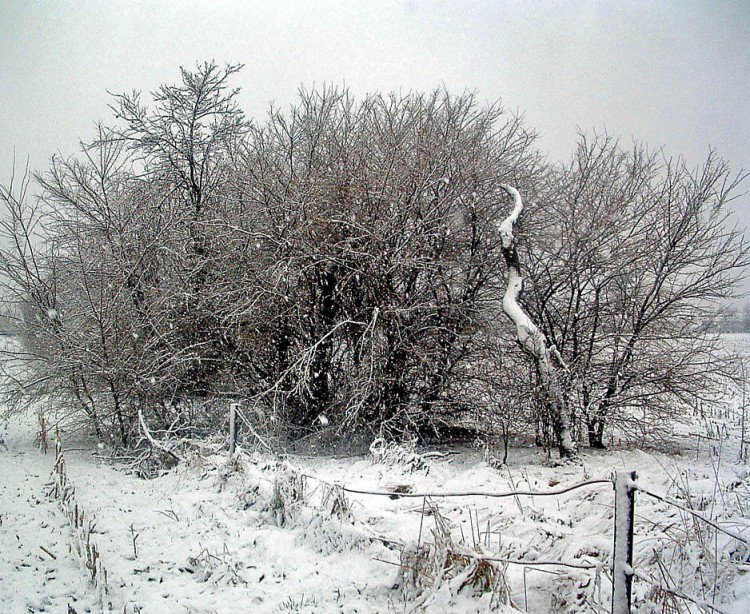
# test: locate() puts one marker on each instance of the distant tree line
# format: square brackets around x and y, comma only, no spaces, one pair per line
[734,318]
[343,258]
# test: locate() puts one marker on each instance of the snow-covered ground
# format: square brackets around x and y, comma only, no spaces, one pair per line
[258,534]
[38,572]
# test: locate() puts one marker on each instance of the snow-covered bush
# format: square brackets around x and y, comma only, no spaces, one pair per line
[287,495]
[327,535]
[399,454]
[334,503]
[217,568]
[439,571]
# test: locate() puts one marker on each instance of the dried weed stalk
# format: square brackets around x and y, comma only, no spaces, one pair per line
[427,567]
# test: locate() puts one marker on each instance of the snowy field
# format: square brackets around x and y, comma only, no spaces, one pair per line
[258,534]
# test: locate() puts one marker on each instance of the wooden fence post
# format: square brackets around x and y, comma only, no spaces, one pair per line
[622,554]
[232,427]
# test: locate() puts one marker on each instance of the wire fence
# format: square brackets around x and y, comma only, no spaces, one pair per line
[620,566]
[477,493]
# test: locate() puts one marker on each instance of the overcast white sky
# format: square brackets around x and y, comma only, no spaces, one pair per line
[673,73]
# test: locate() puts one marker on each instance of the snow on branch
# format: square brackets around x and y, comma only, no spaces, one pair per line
[528,334]
[154,443]
[506,226]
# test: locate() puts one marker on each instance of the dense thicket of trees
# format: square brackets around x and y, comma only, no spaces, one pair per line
[345,258]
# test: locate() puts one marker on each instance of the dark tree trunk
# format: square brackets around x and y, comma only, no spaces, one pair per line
[596,431]
[322,369]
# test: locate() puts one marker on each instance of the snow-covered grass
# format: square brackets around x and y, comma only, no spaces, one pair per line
[38,572]
[254,533]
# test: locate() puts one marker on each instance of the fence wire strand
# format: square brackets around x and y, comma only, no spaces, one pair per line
[475,493]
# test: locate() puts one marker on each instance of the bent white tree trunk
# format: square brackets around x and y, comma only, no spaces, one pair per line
[529,336]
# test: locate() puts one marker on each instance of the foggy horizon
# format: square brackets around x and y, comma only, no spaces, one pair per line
[668,74]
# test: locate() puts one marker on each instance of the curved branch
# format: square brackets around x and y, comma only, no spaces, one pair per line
[528,333]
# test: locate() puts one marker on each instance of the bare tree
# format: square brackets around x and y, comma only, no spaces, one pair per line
[118,306]
[186,146]
[631,281]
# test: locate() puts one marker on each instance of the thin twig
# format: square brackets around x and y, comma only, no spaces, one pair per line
[247,423]
[421,522]
[48,552]
[153,442]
